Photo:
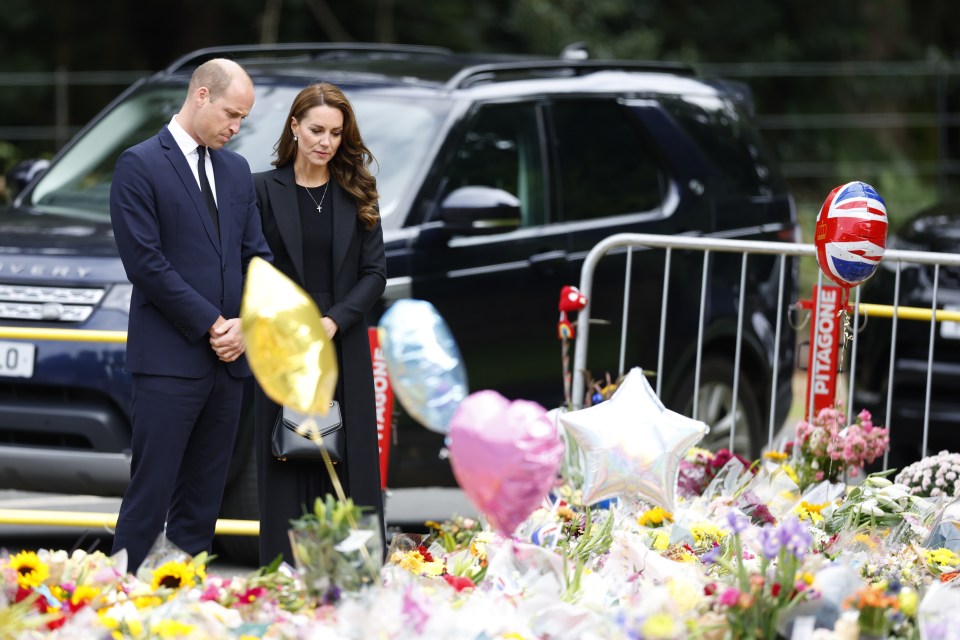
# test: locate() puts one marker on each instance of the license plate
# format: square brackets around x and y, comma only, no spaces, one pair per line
[948,328]
[16,359]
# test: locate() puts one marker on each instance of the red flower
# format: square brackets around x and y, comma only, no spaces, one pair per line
[775,589]
[252,595]
[710,588]
[427,556]
[459,582]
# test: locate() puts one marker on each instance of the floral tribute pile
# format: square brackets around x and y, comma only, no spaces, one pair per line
[781,547]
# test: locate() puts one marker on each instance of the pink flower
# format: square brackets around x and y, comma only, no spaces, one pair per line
[729,597]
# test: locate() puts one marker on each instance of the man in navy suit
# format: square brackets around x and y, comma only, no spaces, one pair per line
[186,222]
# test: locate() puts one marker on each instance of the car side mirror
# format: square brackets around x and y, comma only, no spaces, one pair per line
[23,173]
[479,210]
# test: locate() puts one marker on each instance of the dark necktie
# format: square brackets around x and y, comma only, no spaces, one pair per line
[207,191]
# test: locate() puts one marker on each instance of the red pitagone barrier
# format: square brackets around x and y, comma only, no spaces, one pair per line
[383,393]
[823,360]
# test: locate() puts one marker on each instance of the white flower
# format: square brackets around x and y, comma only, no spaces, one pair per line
[871,507]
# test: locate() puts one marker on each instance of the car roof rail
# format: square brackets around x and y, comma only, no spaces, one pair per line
[194,58]
[489,72]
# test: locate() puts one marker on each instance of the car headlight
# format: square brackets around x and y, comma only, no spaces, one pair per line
[118,299]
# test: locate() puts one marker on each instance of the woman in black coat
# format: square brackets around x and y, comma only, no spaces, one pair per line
[320,218]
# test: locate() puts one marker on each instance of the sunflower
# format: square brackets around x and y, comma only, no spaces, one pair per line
[31,570]
[174,575]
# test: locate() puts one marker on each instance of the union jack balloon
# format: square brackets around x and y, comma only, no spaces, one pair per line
[851,233]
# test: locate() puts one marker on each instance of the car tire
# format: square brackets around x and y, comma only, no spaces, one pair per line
[715,407]
[240,502]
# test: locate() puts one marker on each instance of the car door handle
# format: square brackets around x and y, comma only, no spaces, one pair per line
[548,261]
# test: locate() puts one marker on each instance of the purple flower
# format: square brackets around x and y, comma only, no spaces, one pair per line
[795,537]
[738,524]
[711,556]
[769,543]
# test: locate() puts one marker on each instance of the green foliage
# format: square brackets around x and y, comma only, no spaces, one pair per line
[336,548]
[812,67]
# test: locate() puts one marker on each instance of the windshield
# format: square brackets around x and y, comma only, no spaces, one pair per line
[398,130]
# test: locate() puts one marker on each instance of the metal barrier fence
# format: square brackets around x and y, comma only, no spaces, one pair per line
[629,243]
[894,259]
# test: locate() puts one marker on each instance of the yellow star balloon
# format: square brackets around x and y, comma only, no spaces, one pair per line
[287,348]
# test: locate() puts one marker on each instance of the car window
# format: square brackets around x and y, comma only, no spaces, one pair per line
[722,131]
[78,184]
[501,149]
[397,129]
[606,165]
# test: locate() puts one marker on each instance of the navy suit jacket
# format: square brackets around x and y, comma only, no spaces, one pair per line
[183,275]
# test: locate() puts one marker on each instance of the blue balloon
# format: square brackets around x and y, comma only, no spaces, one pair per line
[424,363]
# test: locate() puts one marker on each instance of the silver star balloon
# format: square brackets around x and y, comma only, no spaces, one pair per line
[632,444]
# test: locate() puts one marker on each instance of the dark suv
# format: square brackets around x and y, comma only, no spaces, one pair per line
[497,175]
[937,229]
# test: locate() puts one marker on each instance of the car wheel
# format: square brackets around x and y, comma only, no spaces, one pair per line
[715,407]
[240,502]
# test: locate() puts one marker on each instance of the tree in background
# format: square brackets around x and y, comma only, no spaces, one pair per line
[800,59]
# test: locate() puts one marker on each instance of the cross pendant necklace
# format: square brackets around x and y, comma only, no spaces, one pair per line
[324,195]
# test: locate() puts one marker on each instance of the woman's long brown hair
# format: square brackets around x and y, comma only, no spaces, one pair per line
[350,165]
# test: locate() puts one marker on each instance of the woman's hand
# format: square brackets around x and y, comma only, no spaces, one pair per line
[330,326]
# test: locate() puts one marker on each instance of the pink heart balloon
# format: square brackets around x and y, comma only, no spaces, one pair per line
[505,456]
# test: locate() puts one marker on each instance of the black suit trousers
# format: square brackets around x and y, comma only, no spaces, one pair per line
[184,430]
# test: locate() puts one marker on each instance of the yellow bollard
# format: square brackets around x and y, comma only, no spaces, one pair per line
[107,521]
[906,313]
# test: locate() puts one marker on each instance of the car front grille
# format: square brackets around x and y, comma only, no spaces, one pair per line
[48,304]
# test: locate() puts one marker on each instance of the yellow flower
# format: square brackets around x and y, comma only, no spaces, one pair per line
[107,621]
[695,453]
[776,456]
[31,570]
[815,507]
[59,592]
[84,594]
[791,473]
[865,539]
[661,541]
[171,629]
[174,575]
[566,513]
[908,601]
[415,563]
[808,511]
[941,557]
[121,620]
[706,533]
[659,625]
[147,602]
[654,517]
[478,546]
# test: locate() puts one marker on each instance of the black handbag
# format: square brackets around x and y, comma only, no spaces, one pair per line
[292,432]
